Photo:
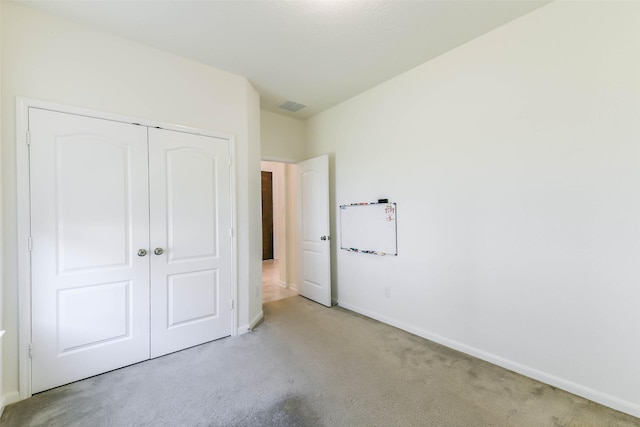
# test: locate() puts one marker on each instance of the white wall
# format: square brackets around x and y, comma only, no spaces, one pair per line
[515,163]
[282,138]
[250,222]
[58,61]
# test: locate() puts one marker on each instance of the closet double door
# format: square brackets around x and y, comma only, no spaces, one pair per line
[130,248]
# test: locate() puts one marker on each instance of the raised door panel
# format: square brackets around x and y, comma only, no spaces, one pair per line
[190,212]
[191,203]
[90,290]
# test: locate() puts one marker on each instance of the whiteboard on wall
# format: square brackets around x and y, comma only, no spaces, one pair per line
[369,228]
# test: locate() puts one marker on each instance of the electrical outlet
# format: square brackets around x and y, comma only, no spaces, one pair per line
[387,292]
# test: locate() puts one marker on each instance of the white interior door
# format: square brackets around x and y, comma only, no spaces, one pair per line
[313,220]
[89,217]
[190,211]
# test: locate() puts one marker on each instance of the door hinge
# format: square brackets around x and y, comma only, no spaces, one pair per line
[28,138]
[31,350]
[231,232]
[30,243]
[230,161]
[231,304]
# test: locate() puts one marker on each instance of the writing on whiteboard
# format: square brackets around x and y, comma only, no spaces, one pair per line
[369,228]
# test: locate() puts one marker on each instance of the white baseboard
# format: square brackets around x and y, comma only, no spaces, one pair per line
[256,320]
[248,328]
[292,285]
[577,389]
[8,399]
[283,284]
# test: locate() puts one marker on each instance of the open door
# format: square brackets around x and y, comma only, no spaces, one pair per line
[313,232]
[267,215]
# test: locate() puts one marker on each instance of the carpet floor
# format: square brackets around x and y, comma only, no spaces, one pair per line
[308,365]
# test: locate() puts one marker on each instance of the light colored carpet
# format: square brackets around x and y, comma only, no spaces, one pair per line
[308,365]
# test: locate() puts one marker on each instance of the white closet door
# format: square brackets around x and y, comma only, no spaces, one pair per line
[89,213]
[190,213]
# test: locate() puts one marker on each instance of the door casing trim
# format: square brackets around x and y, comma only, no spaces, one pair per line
[23,216]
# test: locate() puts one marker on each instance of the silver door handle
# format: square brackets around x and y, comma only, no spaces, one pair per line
[142,252]
[158,251]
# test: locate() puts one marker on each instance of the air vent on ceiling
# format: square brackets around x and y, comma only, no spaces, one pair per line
[291,106]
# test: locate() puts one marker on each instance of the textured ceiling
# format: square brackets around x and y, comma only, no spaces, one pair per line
[316,53]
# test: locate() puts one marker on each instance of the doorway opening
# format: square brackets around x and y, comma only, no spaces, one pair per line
[278,216]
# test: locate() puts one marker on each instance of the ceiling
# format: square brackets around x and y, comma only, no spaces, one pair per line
[313,52]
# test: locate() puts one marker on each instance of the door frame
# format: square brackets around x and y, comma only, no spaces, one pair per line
[23,217]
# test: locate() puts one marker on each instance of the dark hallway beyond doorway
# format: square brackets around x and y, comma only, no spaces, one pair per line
[267,215]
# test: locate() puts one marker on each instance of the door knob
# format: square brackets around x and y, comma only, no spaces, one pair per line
[158,251]
[142,252]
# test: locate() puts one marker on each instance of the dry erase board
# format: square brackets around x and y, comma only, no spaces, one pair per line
[369,228]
